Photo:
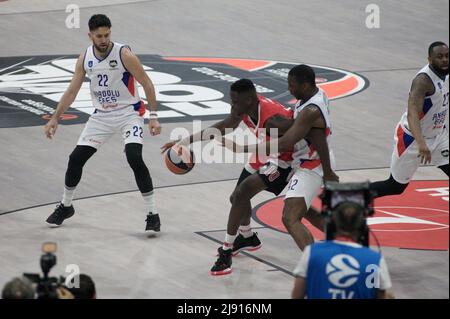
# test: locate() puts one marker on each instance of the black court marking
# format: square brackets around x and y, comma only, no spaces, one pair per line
[268,263]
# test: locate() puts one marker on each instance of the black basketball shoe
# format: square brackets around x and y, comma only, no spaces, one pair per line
[223,263]
[153,223]
[249,244]
[59,215]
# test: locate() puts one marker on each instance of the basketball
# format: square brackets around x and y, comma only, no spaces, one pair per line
[179,164]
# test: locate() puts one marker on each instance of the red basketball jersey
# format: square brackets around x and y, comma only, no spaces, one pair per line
[267,108]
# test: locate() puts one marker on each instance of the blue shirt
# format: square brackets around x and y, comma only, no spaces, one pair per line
[341,270]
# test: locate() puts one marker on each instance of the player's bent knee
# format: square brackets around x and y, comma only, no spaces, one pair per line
[396,188]
[239,194]
[400,189]
[80,155]
[133,152]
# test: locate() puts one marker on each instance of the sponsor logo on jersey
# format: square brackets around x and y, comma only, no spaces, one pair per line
[113,63]
[187,88]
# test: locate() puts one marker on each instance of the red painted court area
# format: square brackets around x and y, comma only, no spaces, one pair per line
[417,219]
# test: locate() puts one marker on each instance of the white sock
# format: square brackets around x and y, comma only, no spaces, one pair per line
[68,194]
[228,243]
[246,231]
[149,203]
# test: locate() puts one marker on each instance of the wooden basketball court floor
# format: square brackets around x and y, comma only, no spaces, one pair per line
[105,238]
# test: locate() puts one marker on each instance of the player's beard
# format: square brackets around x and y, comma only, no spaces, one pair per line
[100,49]
[440,71]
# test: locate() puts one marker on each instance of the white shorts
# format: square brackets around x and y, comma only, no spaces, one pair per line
[101,126]
[405,160]
[304,183]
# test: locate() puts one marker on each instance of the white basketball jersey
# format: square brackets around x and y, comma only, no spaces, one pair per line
[112,86]
[433,116]
[305,156]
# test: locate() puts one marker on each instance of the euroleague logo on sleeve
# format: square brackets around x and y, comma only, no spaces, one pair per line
[417,219]
[187,88]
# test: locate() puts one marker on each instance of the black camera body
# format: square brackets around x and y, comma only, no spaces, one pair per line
[46,286]
[335,194]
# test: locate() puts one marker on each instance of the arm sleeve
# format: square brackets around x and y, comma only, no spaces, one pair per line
[302,267]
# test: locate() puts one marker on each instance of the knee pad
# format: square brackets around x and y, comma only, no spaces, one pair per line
[395,187]
[80,155]
[133,152]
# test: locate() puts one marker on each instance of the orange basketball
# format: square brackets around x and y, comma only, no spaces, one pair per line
[179,164]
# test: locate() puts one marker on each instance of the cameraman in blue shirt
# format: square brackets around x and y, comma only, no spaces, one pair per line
[342,268]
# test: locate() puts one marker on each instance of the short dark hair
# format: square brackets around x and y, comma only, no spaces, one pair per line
[18,288]
[349,216]
[243,85]
[435,44]
[303,74]
[86,289]
[98,21]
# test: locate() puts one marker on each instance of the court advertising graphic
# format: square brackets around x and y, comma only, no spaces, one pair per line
[187,88]
[418,219]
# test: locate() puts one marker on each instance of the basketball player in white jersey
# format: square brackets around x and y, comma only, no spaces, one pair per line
[421,136]
[113,71]
[310,113]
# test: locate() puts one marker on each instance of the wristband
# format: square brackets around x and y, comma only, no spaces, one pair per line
[153,116]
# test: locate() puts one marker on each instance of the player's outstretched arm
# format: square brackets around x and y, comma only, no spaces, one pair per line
[220,128]
[421,87]
[134,66]
[67,99]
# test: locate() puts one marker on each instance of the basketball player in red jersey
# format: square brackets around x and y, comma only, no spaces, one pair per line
[260,115]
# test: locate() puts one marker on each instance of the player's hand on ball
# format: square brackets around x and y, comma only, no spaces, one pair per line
[168,145]
[154,127]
